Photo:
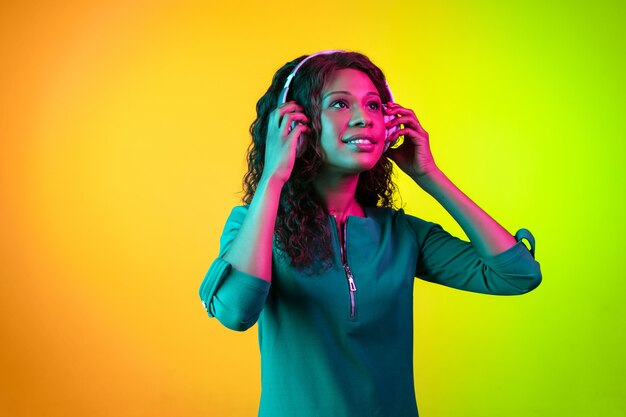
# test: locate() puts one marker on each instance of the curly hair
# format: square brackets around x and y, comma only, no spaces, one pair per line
[302,231]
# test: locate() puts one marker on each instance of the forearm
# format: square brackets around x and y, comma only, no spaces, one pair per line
[488,237]
[251,250]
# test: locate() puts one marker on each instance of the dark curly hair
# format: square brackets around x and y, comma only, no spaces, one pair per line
[302,230]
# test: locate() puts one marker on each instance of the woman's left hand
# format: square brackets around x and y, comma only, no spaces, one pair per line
[413,156]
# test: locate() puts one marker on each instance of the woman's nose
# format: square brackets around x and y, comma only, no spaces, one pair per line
[360,117]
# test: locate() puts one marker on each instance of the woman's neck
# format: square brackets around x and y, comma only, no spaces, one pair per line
[337,194]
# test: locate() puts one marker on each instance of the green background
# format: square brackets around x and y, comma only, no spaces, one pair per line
[124,126]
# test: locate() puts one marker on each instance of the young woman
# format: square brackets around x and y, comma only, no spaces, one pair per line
[321,260]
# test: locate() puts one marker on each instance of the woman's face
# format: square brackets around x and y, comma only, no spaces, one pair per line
[353,129]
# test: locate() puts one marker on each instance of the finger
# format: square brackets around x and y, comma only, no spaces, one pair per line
[287,111]
[421,130]
[402,132]
[289,118]
[402,120]
[389,108]
[408,119]
[277,114]
[296,133]
[298,130]
[398,110]
[290,106]
[394,108]
[295,116]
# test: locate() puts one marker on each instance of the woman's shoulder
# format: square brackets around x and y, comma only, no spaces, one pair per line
[381,211]
[236,216]
[239,211]
[399,217]
[389,213]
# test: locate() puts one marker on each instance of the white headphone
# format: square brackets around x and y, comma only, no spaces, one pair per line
[282,99]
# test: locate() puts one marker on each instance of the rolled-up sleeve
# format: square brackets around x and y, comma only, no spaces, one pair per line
[447,260]
[235,298]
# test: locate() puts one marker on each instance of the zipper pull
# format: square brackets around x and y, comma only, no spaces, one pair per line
[352,284]
[350,279]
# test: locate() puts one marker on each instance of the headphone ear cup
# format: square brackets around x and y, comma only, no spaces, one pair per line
[389,132]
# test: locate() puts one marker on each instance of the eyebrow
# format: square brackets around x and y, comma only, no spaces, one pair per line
[369,93]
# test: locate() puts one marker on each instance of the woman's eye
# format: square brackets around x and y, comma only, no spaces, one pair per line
[343,104]
[340,104]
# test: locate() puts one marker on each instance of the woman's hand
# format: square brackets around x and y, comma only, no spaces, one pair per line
[413,156]
[280,142]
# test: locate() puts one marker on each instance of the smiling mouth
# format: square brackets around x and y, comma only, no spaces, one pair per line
[360,140]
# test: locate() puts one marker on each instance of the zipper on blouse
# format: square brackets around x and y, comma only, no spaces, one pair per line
[344,260]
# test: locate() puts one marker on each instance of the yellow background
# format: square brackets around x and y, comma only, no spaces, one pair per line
[123,130]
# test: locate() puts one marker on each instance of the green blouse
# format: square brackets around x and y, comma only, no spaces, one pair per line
[340,343]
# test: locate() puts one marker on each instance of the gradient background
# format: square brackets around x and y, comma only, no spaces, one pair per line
[123,132]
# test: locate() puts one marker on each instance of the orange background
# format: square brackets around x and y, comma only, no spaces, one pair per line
[123,132]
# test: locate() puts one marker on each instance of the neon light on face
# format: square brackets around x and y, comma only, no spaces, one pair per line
[353,128]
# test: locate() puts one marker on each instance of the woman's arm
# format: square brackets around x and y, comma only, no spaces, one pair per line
[488,237]
[237,283]
[415,159]
[235,298]
[447,260]
[251,250]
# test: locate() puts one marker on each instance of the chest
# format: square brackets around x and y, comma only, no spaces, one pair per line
[370,280]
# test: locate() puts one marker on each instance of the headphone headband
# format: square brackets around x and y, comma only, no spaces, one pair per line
[282,98]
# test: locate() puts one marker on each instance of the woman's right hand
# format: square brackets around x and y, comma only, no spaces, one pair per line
[280,143]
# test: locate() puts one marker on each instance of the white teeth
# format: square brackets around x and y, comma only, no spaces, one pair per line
[361,141]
